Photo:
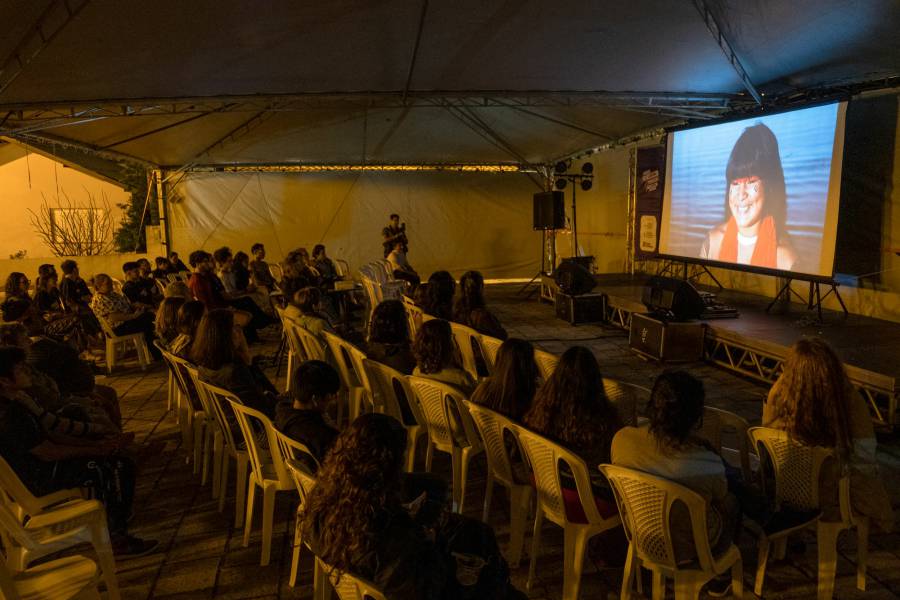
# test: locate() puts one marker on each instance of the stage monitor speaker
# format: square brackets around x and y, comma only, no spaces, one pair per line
[549,210]
[674,298]
[574,278]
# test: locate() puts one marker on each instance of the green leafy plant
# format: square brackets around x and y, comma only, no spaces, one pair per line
[139,212]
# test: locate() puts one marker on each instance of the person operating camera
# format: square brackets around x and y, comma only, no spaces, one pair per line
[393,233]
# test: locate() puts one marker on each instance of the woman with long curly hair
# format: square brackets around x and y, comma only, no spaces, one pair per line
[358,518]
[815,403]
[572,408]
[469,308]
[436,356]
[510,389]
[438,301]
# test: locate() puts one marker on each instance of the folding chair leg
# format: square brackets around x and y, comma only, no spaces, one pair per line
[576,538]
[218,451]
[223,479]
[737,579]
[628,574]
[456,460]
[862,546]
[519,501]
[248,519]
[429,455]
[535,545]
[103,548]
[488,495]
[827,535]
[242,468]
[198,444]
[411,445]
[466,458]
[659,585]
[762,560]
[295,556]
[267,523]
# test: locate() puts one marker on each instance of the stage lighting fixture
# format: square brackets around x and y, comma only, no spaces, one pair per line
[586,184]
[561,184]
[561,167]
[587,168]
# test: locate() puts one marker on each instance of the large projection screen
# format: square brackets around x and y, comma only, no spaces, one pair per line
[760,194]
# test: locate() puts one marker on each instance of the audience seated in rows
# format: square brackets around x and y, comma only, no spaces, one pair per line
[259,268]
[366,517]
[220,352]
[511,387]
[188,319]
[208,288]
[163,269]
[167,319]
[304,310]
[303,416]
[47,462]
[176,264]
[324,266]
[436,357]
[814,401]
[389,341]
[138,289]
[470,308]
[178,289]
[114,309]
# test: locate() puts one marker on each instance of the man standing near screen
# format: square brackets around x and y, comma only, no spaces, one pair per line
[754,231]
[393,233]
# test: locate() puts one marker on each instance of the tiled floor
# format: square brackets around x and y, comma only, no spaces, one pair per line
[201,555]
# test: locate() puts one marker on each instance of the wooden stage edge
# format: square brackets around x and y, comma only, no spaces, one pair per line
[756,342]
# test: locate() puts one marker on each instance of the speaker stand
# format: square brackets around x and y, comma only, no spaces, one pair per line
[543,270]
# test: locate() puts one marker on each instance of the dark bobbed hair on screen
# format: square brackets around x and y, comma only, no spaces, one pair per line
[434,346]
[675,408]
[755,154]
[388,324]
[511,387]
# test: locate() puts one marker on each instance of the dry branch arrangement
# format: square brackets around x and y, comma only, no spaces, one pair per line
[75,229]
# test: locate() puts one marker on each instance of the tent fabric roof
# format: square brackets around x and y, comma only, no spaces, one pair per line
[344,66]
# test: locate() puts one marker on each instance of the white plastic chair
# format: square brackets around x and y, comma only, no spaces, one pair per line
[384,383]
[342,352]
[797,471]
[268,472]
[546,363]
[192,421]
[54,522]
[489,348]
[450,430]
[70,578]
[227,447]
[312,346]
[493,428]
[718,423]
[646,502]
[276,272]
[304,480]
[117,343]
[466,338]
[349,587]
[545,457]
[296,350]
[204,432]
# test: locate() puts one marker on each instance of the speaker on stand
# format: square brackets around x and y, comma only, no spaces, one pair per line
[548,215]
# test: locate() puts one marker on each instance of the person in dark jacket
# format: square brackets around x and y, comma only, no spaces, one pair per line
[302,417]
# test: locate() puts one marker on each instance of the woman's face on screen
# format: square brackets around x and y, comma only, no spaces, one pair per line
[746,197]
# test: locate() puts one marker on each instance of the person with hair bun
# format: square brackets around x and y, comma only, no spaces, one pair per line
[815,403]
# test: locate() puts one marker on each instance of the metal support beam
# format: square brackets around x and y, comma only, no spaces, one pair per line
[713,25]
[54,19]
[80,146]
[415,52]
[158,177]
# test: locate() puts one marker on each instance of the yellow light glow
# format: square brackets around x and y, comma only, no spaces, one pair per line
[476,168]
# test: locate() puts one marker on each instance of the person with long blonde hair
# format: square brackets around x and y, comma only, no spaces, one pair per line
[815,403]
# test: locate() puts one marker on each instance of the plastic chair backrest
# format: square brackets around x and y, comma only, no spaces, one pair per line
[261,455]
[546,363]
[545,457]
[313,348]
[183,379]
[435,399]
[117,285]
[624,396]
[797,467]
[161,286]
[13,490]
[717,422]
[492,426]
[292,450]
[350,587]
[341,267]
[13,528]
[490,346]
[645,502]
[304,481]
[340,350]
[202,397]
[295,343]
[276,272]
[385,382]
[220,400]
[465,337]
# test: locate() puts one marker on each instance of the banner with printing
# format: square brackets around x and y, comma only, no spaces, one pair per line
[650,175]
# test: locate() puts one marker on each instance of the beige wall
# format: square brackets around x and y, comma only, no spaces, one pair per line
[26,179]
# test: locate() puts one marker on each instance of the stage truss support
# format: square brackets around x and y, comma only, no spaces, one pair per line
[689,271]
[743,357]
[814,299]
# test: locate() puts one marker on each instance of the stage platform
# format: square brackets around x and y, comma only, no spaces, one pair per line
[756,342]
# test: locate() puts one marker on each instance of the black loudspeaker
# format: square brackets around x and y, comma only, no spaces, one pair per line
[549,210]
[674,298]
[573,278]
